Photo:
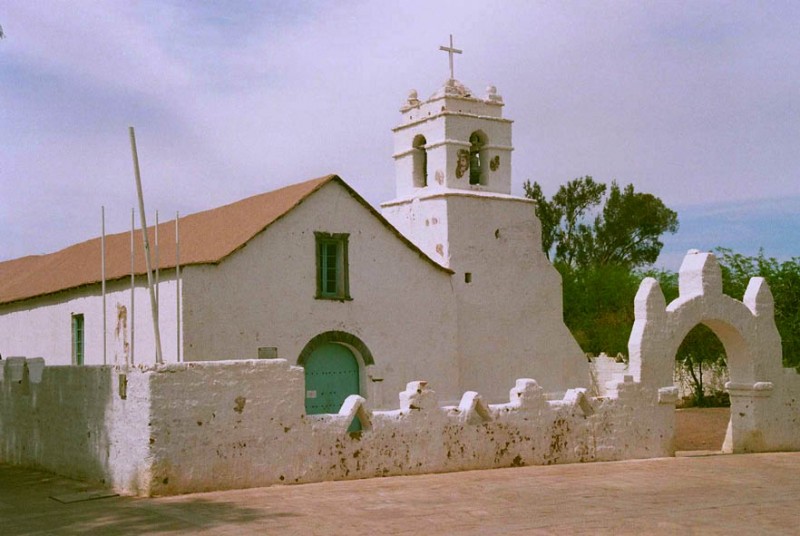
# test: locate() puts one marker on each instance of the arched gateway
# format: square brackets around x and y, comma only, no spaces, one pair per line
[765,398]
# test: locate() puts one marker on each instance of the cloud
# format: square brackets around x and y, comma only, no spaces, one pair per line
[691,101]
[745,227]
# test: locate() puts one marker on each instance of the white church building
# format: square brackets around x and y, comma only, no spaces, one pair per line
[291,323]
[447,282]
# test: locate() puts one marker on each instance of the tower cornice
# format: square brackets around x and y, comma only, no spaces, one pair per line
[450,113]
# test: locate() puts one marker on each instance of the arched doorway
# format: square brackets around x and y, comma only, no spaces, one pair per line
[331,372]
[334,363]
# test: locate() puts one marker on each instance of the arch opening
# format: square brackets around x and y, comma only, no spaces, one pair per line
[703,412]
[478,158]
[420,161]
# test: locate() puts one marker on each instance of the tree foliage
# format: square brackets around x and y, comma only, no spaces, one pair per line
[602,239]
[784,282]
[596,235]
[598,306]
[700,352]
[583,228]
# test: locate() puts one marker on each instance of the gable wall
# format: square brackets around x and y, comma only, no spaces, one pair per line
[402,306]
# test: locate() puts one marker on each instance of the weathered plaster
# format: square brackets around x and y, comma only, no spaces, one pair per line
[42,326]
[174,434]
[71,420]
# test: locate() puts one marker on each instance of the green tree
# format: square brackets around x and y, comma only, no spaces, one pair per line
[595,242]
[784,282]
[700,350]
[598,306]
[625,230]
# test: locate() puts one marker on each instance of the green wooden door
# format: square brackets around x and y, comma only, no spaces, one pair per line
[331,376]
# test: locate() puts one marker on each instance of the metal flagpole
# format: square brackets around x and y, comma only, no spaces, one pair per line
[156,263]
[178,286]
[153,307]
[129,360]
[103,276]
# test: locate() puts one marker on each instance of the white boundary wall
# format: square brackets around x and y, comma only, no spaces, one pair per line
[174,434]
[70,420]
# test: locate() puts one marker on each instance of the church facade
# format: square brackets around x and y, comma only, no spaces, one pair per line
[446,283]
[292,323]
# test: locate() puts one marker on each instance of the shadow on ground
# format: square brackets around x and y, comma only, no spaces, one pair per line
[27,507]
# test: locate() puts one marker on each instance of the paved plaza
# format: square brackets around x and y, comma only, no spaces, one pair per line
[724,494]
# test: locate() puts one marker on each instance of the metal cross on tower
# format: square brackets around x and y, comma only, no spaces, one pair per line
[450,51]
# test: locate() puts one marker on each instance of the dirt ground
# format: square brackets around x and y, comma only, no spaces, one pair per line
[701,428]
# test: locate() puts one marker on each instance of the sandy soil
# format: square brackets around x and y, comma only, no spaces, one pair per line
[701,428]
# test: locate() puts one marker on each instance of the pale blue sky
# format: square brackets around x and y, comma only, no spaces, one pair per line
[696,102]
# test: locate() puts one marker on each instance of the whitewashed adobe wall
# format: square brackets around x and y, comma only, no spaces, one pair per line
[765,400]
[252,431]
[510,316]
[509,307]
[605,372]
[173,434]
[42,326]
[263,295]
[71,420]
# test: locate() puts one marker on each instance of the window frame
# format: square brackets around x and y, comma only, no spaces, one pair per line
[78,331]
[342,269]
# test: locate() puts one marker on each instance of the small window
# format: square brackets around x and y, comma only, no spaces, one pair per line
[332,266]
[77,339]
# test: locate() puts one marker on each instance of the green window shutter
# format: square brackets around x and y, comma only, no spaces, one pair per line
[77,339]
[332,266]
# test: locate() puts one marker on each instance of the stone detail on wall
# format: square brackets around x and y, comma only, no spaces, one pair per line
[462,164]
[354,407]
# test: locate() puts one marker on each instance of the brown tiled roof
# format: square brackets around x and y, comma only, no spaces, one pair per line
[205,238]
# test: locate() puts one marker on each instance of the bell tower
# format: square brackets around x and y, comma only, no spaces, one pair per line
[453,161]
[453,143]
[454,140]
